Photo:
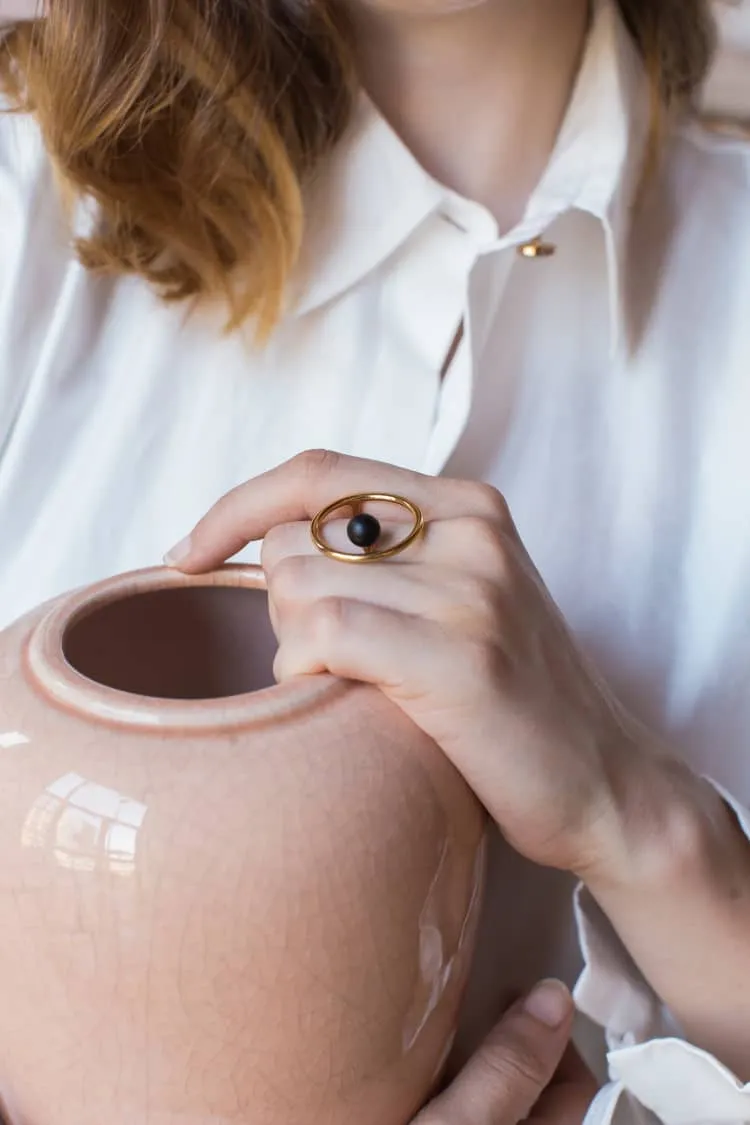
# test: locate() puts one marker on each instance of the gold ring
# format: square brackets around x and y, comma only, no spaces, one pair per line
[370,553]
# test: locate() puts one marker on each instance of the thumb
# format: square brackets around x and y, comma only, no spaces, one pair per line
[501,1084]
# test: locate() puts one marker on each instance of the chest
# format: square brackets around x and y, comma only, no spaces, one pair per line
[626,468]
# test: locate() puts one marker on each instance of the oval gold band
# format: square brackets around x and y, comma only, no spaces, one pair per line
[373,554]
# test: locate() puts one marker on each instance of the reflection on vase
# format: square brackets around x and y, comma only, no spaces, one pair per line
[11,739]
[443,940]
[85,826]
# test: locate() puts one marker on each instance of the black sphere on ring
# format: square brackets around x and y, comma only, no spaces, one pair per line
[363,530]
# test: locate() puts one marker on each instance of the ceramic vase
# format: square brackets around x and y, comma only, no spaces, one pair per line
[223,901]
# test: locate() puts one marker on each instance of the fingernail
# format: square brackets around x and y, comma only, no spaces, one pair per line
[179,552]
[550,1003]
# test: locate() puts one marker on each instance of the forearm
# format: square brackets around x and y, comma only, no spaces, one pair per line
[677,890]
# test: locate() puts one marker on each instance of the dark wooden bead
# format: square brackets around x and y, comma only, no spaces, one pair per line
[363,530]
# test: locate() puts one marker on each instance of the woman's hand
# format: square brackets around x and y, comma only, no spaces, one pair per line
[525,1071]
[458,630]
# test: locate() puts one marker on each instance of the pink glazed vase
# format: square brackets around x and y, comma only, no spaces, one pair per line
[222,901]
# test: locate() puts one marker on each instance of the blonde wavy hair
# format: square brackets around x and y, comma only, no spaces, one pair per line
[195,125]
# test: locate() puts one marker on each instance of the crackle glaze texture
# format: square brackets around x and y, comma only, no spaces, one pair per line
[221,900]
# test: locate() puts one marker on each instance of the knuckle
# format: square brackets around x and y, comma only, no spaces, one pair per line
[286,581]
[487,544]
[327,620]
[480,595]
[314,464]
[226,506]
[479,663]
[516,1069]
[273,547]
[229,515]
[488,502]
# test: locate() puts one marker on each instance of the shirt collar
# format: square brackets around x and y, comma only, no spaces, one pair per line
[598,162]
[366,201]
[372,195]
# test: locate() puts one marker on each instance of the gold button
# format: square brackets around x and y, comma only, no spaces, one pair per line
[537,248]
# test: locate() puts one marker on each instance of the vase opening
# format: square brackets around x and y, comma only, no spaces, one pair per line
[181,643]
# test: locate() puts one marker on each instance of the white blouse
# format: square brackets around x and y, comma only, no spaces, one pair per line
[604,389]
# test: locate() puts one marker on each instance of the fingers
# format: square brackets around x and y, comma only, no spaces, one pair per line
[468,543]
[297,580]
[405,655]
[293,491]
[299,488]
[448,597]
[503,1082]
[356,640]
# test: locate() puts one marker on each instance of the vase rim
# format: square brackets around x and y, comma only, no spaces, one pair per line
[50,671]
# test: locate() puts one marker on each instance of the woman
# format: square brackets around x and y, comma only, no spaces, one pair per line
[476,241]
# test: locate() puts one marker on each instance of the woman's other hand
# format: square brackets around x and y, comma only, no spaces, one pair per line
[525,1071]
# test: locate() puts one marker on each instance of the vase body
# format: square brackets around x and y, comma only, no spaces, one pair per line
[222,901]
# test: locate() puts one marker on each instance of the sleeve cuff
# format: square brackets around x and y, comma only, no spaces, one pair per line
[656,1075]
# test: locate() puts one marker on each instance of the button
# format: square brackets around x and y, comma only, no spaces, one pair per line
[537,248]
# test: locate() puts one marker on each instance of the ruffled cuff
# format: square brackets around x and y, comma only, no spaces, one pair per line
[669,1082]
[656,1075]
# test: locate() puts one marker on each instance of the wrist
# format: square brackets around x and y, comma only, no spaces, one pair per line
[663,824]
